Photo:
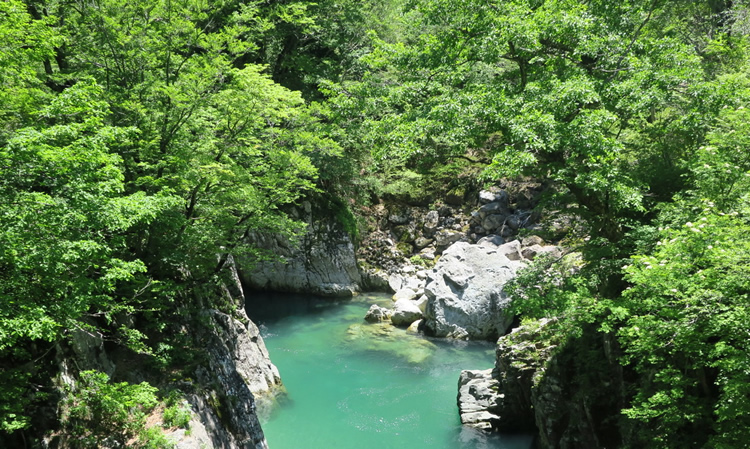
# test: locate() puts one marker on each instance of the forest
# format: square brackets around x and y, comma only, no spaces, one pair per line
[143,141]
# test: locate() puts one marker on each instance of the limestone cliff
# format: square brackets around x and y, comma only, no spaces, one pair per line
[322,263]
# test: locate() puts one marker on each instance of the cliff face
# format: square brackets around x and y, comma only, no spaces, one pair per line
[242,380]
[232,383]
[566,389]
[323,263]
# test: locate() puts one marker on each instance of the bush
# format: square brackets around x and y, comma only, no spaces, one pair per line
[100,414]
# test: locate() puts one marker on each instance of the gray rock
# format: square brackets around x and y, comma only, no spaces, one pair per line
[422,242]
[405,312]
[446,238]
[414,327]
[431,221]
[323,263]
[405,294]
[493,196]
[396,282]
[493,239]
[399,216]
[477,395]
[377,314]
[465,292]
[531,252]
[513,222]
[245,382]
[511,250]
[493,222]
[445,211]
[493,208]
[532,240]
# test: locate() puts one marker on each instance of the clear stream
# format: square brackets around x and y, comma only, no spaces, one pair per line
[353,385]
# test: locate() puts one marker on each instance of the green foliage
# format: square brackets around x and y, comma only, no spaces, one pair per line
[687,310]
[98,413]
[177,412]
[63,214]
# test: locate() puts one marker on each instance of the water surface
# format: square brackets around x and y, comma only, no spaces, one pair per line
[353,385]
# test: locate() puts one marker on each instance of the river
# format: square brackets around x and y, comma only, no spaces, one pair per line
[353,385]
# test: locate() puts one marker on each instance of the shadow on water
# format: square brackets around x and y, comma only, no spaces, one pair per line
[269,307]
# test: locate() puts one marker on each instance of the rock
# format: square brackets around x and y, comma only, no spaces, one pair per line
[396,282]
[530,240]
[243,379]
[414,328]
[513,222]
[405,294]
[422,303]
[422,242]
[399,216]
[500,398]
[405,312]
[531,252]
[323,263]
[445,211]
[477,395]
[493,208]
[493,196]
[491,240]
[511,250]
[431,221]
[465,292]
[385,338]
[377,314]
[493,222]
[373,280]
[446,238]
[405,233]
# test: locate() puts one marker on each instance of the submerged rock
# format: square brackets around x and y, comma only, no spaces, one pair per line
[385,338]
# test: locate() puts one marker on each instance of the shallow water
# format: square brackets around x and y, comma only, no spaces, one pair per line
[352,385]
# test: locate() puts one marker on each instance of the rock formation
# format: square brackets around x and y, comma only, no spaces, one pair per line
[540,384]
[322,263]
[465,297]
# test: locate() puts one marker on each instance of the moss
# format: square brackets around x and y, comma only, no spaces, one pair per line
[404,248]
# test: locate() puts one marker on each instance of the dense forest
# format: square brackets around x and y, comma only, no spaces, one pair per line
[142,142]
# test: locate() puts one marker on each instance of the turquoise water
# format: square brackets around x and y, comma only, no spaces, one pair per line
[353,385]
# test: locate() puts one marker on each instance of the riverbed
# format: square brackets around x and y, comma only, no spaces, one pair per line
[362,386]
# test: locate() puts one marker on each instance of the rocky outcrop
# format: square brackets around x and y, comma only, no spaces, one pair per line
[233,381]
[465,297]
[242,379]
[478,399]
[322,263]
[542,384]
[501,398]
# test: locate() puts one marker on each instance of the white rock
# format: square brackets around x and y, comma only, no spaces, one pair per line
[405,312]
[465,292]
[405,293]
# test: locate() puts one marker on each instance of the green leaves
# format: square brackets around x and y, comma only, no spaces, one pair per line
[688,303]
[100,413]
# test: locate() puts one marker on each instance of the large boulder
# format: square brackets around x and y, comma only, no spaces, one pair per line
[465,292]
